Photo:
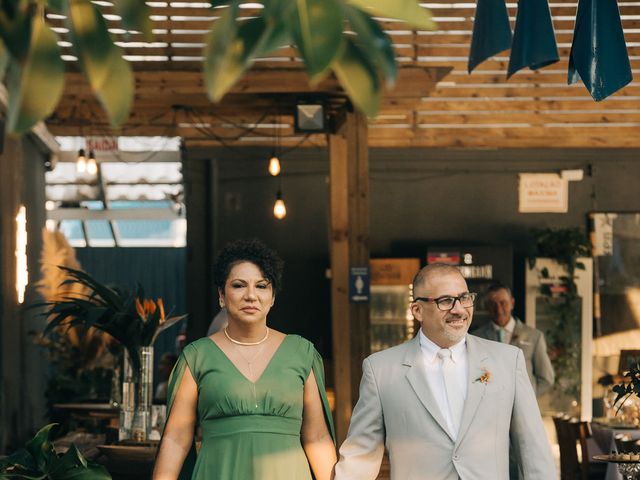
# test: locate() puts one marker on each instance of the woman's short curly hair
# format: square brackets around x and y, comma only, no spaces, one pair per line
[253,251]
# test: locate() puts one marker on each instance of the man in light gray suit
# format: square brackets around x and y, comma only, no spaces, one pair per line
[506,328]
[445,403]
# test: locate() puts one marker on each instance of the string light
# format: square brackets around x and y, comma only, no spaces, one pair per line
[279,208]
[274,166]
[92,165]
[81,162]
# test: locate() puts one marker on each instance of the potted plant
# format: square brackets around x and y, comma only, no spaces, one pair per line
[82,358]
[39,460]
[630,385]
[131,319]
[128,317]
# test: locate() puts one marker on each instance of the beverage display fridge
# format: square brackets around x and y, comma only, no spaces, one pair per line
[391,320]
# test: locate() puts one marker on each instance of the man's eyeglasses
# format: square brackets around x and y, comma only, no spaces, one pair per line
[447,303]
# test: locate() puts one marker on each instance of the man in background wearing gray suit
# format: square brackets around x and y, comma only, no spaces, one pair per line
[445,403]
[506,328]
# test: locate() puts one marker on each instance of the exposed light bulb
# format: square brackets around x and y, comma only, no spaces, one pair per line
[81,162]
[279,209]
[274,166]
[92,165]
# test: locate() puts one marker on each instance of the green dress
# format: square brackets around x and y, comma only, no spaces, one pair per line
[250,431]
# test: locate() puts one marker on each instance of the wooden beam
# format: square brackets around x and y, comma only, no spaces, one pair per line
[411,82]
[349,244]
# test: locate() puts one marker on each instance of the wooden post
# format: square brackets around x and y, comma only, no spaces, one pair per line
[349,244]
[11,361]
[201,293]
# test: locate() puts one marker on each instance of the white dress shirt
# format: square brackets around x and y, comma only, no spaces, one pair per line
[507,330]
[435,380]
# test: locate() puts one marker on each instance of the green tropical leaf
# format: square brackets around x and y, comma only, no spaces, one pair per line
[109,75]
[15,27]
[20,459]
[4,60]
[316,27]
[39,461]
[408,11]
[110,296]
[57,6]
[91,472]
[274,36]
[371,40]
[70,460]
[40,447]
[358,77]
[35,86]
[278,9]
[117,93]
[135,16]
[223,54]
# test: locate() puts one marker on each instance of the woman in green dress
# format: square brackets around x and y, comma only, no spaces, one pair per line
[257,394]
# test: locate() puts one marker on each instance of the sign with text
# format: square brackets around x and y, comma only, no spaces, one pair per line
[603,233]
[359,284]
[543,193]
[102,144]
[393,271]
[439,256]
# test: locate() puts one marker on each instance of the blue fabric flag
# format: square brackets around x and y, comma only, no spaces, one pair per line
[534,41]
[598,53]
[491,31]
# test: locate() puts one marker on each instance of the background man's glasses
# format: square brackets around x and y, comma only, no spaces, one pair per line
[446,302]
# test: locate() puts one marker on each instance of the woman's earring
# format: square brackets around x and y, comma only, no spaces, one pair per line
[221,303]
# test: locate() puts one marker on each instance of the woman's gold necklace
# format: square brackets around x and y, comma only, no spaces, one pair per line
[246,344]
[253,359]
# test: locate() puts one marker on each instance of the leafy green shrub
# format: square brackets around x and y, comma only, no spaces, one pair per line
[39,461]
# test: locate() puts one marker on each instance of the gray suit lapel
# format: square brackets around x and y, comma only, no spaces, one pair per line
[417,377]
[491,333]
[475,387]
[518,333]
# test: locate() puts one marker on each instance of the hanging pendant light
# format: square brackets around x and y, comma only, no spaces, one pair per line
[274,166]
[279,208]
[274,161]
[92,165]
[81,162]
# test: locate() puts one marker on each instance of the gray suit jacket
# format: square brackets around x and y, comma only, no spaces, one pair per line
[531,342]
[397,411]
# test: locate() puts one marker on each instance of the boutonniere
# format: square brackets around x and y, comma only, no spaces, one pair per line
[485,377]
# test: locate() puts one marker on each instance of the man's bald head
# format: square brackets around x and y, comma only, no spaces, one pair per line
[432,270]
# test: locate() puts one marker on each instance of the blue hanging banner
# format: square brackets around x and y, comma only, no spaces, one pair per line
[359,284]
[598,53]
[491,32]
[534,42]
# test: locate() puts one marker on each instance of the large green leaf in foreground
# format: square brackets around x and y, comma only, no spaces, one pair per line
[36,84]
[108,73]
[408,11]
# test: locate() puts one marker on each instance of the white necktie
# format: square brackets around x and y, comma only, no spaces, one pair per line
[455,398]
[501,335]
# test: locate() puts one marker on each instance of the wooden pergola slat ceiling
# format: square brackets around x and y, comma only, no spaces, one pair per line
[533,109]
